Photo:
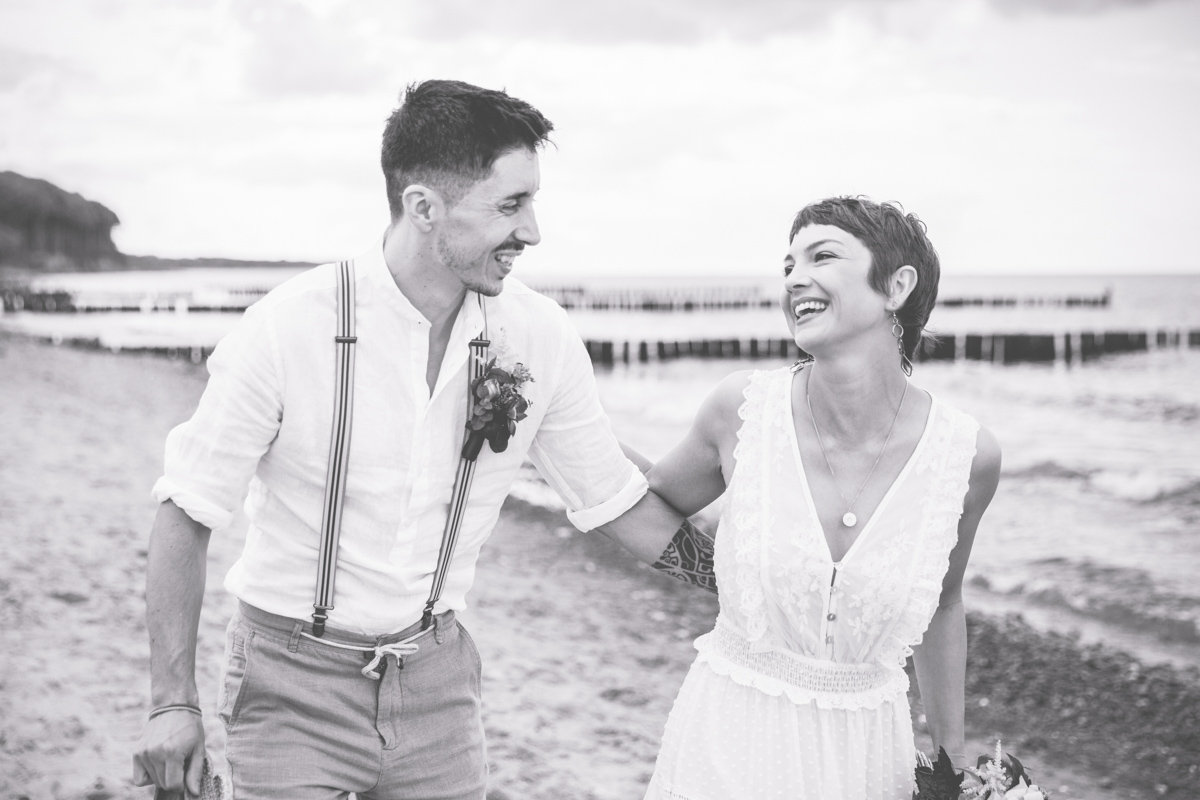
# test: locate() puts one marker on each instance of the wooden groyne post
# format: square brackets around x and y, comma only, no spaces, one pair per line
[998,348]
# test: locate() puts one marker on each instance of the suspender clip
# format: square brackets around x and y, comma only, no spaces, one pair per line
[319,617]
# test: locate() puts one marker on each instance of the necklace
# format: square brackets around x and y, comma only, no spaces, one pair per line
[849,519]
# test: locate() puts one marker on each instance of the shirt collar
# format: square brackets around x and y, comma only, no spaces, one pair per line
[374,268]
[469,322]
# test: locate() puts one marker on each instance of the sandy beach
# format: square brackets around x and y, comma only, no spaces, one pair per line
[583,648]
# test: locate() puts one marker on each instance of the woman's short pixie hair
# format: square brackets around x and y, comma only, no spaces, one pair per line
[895,239]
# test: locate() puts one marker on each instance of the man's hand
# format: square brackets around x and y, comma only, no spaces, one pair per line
[171,743]
[173,740]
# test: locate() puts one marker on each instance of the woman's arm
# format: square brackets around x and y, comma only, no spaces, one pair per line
[686,480]
[941,658]
[692,475]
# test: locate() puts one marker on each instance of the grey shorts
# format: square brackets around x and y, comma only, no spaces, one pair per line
[302,721]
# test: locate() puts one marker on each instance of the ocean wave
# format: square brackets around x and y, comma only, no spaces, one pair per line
[1188,494]
[1119,596]
[1146,486]
[1148,408]
[1048,469]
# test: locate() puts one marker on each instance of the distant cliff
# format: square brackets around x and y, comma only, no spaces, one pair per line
[43,227]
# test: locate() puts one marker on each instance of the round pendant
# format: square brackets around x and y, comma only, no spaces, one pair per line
[849,520]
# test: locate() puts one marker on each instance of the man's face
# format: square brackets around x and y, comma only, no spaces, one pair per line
[480,237]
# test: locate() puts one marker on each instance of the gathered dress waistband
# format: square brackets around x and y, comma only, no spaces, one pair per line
[804,679]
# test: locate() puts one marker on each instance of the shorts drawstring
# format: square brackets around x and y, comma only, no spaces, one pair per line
[381,651]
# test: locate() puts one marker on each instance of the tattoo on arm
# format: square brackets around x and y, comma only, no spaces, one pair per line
[689,558]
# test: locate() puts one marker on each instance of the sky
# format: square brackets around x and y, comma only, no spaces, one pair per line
[1032,136]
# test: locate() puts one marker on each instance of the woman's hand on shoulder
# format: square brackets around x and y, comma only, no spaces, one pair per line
[691,476]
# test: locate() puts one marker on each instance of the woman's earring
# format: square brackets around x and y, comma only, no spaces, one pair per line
[898,332]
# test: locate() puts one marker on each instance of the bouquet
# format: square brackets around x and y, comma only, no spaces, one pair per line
[497,408]
[999,776]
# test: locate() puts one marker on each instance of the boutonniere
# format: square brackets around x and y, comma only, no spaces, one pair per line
[497,407]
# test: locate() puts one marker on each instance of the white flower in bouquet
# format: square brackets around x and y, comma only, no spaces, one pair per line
[1024,791]
[1000,776]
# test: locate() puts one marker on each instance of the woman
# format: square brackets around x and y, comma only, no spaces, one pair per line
[853,503]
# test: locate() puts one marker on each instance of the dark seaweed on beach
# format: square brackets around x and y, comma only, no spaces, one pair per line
[1092,705]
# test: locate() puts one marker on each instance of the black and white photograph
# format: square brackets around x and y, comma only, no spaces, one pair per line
[710,400]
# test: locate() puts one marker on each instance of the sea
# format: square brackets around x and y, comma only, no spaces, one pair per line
[1095,529]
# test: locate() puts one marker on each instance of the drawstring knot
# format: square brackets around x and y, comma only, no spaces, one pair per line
[382,651]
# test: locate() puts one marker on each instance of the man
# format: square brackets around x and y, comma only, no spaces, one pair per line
[385,700]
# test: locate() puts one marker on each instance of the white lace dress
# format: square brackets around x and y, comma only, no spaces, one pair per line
[799,691]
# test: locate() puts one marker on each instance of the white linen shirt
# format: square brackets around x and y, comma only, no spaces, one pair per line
[264,423]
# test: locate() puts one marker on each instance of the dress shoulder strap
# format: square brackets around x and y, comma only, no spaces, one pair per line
[961,432]
[745,507]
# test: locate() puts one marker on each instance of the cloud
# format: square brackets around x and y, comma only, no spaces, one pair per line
[294,52]
[1069,6]
[18,67]
[663,21]
[691,21]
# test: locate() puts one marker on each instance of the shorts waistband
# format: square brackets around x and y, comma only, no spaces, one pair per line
[286,626]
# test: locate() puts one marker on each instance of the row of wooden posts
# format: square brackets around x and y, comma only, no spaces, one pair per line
[682,299]
[701,297]
[1007,348]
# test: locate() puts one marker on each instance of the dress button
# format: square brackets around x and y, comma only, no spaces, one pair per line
[828,640]
[831,617]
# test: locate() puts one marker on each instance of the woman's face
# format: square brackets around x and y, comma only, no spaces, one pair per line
[826,297]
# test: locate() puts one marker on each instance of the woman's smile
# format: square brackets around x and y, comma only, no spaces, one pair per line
[807,307]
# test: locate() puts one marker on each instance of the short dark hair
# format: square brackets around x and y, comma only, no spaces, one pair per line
[447,134]
[895,238]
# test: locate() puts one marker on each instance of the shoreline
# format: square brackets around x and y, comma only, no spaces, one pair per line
[583,647]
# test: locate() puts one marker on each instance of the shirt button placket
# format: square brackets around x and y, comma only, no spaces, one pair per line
[831,617]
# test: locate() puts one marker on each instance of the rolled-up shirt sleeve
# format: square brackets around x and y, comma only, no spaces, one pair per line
[210,459]
[575,449]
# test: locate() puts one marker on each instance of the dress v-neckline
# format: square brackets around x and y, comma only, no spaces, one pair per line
[808,498]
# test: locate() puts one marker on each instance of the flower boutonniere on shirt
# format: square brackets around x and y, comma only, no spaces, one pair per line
[497,406]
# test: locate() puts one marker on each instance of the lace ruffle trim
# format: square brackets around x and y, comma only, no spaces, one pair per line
[956,452]
[746,504]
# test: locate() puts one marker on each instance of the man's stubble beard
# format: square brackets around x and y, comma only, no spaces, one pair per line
[460,264]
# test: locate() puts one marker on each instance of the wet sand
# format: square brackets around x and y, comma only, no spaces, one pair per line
[583,648]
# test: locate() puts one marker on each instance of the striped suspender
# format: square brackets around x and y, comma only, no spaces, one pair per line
[339,447]
[462,480]
[339,451]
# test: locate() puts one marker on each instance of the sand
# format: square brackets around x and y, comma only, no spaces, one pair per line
[583,648]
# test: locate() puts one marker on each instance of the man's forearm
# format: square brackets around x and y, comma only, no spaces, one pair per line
[175,577]
[689,557]
[644,530]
